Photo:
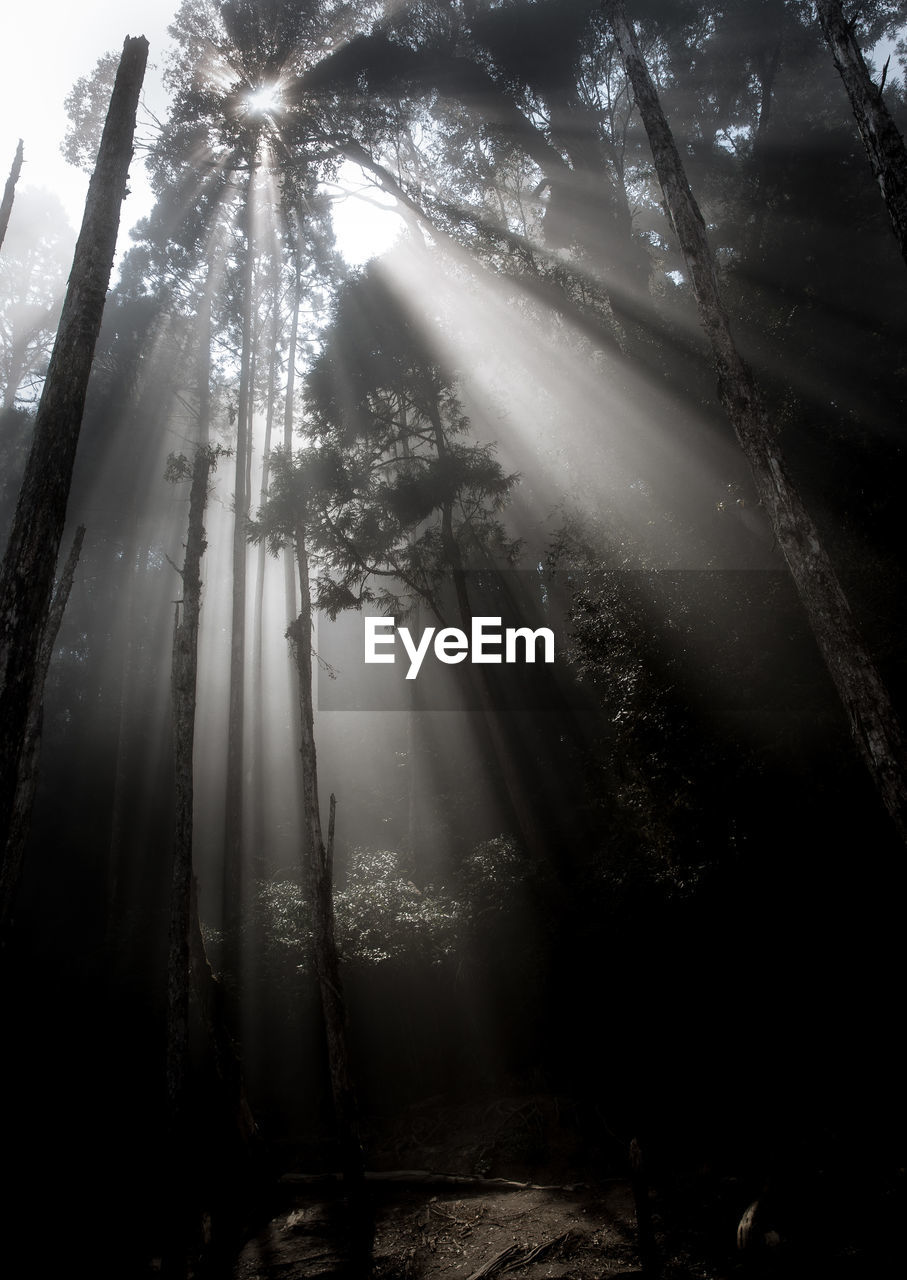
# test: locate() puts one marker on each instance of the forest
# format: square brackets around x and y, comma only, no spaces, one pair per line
[571,947]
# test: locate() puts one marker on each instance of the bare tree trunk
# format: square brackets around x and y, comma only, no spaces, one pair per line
[183,693]
[291,603]
[183,687]
[187,961]
[233,835]
[26,581]
[9,192]
[873,721]
[645,1229]
[881,137]
[183,680]
[318,876]
[258,798]
[11,871]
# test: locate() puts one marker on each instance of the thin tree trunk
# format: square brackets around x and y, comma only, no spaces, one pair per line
[184,678]
[183,693]
[873,721]
[318,876]
[11,872]
[881,137]
[183,686]
[26,581]
[258,797]
[645,1229]
[291,603]
[209,993]
[9,192]
[233,835]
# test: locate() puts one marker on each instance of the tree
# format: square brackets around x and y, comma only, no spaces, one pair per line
[9,192]
[182,903]
[33,274]
[874,723]
[881,136]
[27,780]
[28,567]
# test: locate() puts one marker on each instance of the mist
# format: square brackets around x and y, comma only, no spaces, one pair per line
[583,966]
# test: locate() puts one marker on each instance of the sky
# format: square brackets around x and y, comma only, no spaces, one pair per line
[71,39]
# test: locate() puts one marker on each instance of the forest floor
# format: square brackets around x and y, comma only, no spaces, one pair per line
[456,1234]
[509,1186]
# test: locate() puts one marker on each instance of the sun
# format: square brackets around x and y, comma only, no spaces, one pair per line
[263,101]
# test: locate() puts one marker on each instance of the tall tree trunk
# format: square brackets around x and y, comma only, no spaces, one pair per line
[26,581]
[319,878]
[184,675]
[233,834]
[881,137]
[258,798]
[866,701]
[10,873]
[291,602]
[9,192]
[183,692]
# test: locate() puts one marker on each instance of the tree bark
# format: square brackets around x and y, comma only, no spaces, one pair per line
[319,878]
[233,831]
[26,581]
[258,796]
[291,602]
[872,717]
[183,691]
[183,682]
[881,137]
[11,871]
[9,192]
[645,1229]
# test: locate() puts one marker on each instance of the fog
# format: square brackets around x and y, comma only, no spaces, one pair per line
[407,277]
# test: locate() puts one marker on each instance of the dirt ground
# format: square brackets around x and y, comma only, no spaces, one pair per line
[534,1187]
[494,1187]
[446,1234]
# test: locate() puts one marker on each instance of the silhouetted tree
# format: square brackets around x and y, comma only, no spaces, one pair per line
[28,567]
[881,136]
[875,725]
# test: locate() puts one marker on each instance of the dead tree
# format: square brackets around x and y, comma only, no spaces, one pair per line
[9,192]
[27,782]
[881,136]
[872,718]
[26,579]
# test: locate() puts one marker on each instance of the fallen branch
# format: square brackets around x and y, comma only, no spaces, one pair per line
[513,1256]
[510,1254]
[424,1177]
